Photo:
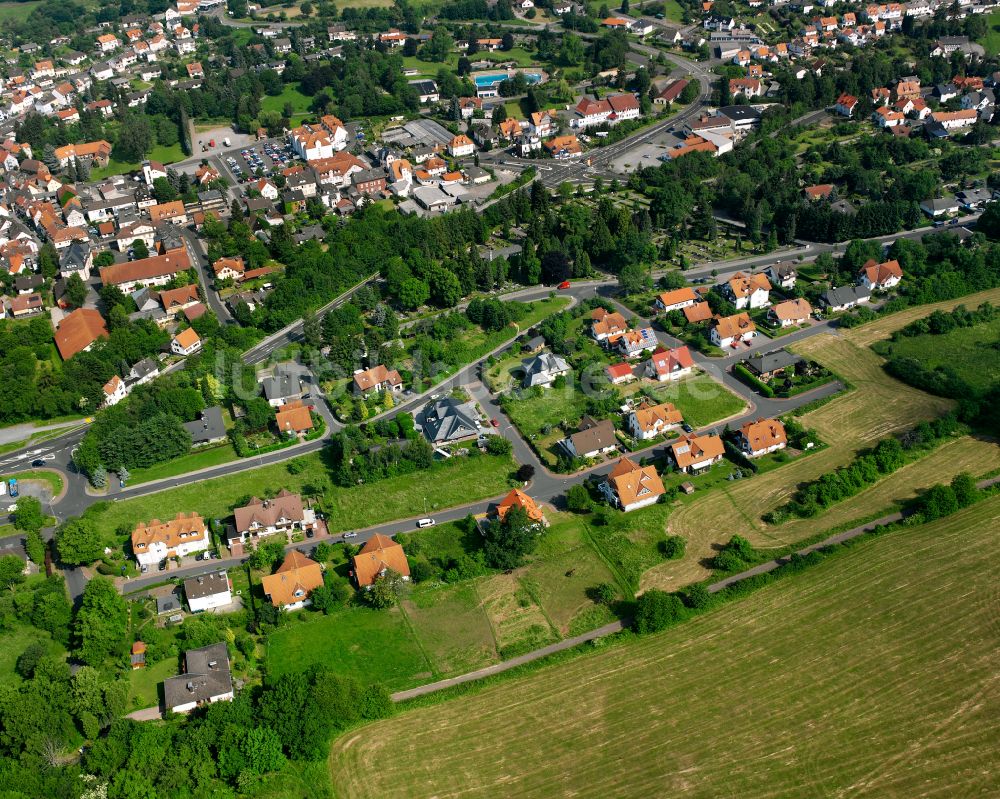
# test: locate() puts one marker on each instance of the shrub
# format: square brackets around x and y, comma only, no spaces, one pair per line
[673,547]
[603,593]
[697,596]
[656,610]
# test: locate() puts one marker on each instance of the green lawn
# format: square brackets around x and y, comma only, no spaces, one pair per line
[558,408]
[165,155]
[851,678]
[451,626]
[370,645]
[15,641]
[201,459]
[144,684]
[701,399]
[991,41]
[450,483]
[672,10]
[969,351]
[300,102]
[18,11]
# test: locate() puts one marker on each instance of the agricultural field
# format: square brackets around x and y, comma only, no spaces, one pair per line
[655,716]
[885,326]
[971,352]
[877,407]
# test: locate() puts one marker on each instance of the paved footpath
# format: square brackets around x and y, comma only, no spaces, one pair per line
[618,626]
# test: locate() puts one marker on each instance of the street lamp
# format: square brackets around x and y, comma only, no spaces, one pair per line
[260,461]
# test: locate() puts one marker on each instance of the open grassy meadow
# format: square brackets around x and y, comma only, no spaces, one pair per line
[872,674]
[970,351]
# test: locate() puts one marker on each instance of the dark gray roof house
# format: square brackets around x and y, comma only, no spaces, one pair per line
[209,429]
[28,284]
[75,258]
[284,384]
[543,369]
[206,679]
[844,297]
[449,420]
[762,364]
[593,438]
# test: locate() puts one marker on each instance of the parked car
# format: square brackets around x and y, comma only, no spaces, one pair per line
[426,523]
[350,535]
[494,422]
[686,427]
[564,285]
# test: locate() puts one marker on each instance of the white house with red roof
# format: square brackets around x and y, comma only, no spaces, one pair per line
[876,276]
[670,364]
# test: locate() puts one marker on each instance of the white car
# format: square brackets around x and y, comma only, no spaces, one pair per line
[426,523]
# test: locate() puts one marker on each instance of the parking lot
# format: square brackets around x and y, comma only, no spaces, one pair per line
[260,160]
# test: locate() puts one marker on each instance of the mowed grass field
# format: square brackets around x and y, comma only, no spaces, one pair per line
[873,674]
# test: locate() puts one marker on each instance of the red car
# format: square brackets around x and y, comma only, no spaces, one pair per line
[494,422]
[564,285]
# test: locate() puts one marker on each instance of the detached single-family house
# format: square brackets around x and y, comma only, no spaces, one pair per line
[379,555]
[692,453]
[208,591]
[675,300]
[783,274]
[759,438]
[182,535]
[747,291]
[516,498]
[283,386]
[185,343]
[649,421]
[289,587]
[630,486]
[880,277]
[592,439]
[633,343]
[846,104]
[261,518]
[672,364]
[447,420]
[206,680]
[461,146]
[768,365]
[789,312]
[607,325]
[840,299]
[543,369]
[940,206]
[114,391]
[378,378]
[619,373]
[729,330]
